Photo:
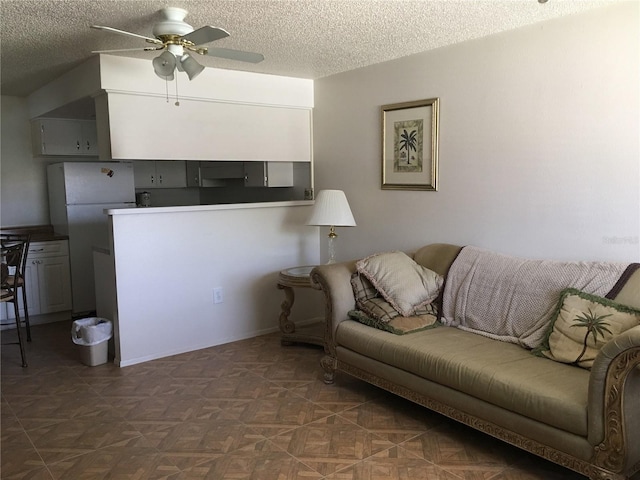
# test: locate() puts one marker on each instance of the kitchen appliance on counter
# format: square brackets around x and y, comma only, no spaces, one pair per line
[79,192]
[143,199]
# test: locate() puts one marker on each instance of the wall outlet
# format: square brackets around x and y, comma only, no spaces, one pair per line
[218,296]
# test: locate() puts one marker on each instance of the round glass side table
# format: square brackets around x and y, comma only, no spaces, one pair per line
[311,332]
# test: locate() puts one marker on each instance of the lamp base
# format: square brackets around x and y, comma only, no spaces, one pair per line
[332,245]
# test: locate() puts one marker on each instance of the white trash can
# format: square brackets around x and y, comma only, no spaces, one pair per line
[92,337]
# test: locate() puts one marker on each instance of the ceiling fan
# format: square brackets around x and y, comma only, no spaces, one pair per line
[177,38]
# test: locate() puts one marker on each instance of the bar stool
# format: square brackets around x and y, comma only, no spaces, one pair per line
[12,257]
[17,279]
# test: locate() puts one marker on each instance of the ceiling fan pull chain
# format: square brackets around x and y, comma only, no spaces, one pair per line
[166,87]
[177,99]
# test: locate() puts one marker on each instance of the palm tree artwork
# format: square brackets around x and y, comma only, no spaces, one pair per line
[408,146]
[408,143]
[595,325]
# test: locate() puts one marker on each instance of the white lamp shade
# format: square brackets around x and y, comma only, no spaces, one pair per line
[332,209]
[164,64]
[191,66]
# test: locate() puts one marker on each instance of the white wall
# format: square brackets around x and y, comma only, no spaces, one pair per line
[23,180]
[539,142]
[168,261]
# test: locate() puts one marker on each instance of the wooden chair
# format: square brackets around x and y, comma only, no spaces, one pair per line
[12,257]
[17,280]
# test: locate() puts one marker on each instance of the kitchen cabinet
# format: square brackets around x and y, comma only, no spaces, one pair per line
[47,279]
[268,174]
[160,174]
[64,137]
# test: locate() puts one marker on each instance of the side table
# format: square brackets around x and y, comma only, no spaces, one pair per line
[312,332]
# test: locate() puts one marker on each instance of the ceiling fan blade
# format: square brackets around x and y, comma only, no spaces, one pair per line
[129,34]
[143,49]
[235,55]
[205,34]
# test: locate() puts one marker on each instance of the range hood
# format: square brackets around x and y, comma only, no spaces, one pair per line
[214,174]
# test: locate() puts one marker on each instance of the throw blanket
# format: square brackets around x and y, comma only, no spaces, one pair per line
[513,299]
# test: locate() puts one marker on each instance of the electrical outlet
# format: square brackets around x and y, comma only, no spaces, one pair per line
[218,296]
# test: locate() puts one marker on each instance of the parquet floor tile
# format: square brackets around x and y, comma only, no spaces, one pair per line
[137,460]
[274,415]
[251,409]
[262,460]
[392,418]
[331,444]
[347,392]
[393,464]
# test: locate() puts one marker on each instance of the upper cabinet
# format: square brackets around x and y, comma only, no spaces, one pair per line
[148,128]
[268,174]
[64,137]
[159,174]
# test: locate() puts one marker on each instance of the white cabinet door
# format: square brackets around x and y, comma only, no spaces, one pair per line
[52,136]
[171,174]
[279,174]
[144,174]
[33,287]
[255,174]
[268,174]
[61,136]
[54,281]
[160,174]
[48,279]
[89,138]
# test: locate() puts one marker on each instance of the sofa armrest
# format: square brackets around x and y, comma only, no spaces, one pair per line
[335,281]
[613,406]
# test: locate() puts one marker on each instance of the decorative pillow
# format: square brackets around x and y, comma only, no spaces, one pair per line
[362,288]
[401,281]
[398,325]
[583,323]
[369,300]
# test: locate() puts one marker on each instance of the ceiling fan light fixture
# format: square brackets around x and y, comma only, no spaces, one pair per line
[164,64]
[173,35]
[191,66]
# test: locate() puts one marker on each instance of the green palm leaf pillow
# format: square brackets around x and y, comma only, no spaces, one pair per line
[582,324]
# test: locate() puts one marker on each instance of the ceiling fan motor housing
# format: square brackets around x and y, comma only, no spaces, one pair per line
[173,24]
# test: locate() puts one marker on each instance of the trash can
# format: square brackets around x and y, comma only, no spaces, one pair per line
[92,337]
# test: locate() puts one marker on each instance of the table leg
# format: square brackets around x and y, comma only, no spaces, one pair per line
[287,326]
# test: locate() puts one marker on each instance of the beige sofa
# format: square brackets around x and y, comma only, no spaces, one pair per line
[585,419]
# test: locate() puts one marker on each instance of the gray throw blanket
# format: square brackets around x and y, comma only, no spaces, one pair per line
[513,299]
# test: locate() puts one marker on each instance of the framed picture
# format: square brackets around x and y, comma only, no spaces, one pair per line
[410,145]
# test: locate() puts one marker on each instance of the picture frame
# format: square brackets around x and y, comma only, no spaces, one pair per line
[410,145]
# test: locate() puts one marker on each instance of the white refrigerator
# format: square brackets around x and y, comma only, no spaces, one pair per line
[79,192]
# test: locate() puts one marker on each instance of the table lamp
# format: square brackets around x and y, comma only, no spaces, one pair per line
[332,210]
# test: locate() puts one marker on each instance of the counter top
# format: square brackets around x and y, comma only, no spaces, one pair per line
[39,233]
[201,208]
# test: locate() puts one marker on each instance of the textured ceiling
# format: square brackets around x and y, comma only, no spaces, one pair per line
[42,39]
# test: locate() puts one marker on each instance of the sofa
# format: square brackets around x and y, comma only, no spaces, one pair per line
[508,379]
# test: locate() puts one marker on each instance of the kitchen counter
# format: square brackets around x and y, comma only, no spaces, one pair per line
[205,208]
[168,261]
[39,233]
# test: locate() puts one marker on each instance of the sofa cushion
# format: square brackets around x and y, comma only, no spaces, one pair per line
[582,324]
[500,373]
[401,281]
